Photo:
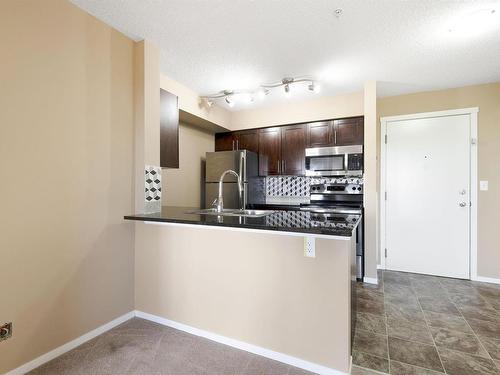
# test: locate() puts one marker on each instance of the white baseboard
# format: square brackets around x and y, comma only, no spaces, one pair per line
[280,357]
[370,280]
[380,267]
[487,279]
[69,346]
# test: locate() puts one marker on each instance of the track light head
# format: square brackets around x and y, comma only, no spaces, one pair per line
[263,92]
[287,90]
[313,87]
[229,101]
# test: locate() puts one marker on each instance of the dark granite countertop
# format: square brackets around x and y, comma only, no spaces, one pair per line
[273,206]
[283,221]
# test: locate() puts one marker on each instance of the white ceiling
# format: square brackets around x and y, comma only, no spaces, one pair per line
[212,45]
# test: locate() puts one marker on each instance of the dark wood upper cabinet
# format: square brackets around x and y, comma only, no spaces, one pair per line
[247,140]
[224,142]
[169,130]
[293,145]
[348,131]
[241,140]
[319,134]
[281,149]
[269,151]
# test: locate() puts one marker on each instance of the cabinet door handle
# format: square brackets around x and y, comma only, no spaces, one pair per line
[233,144]
[279,166]
[237,144]
[284,167]
[335,135]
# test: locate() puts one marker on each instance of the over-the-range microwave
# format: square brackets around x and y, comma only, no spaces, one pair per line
[334,161]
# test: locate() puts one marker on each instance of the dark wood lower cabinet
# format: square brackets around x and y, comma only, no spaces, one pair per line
[269,151]
[293,144]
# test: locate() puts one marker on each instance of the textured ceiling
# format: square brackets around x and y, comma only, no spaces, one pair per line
[238,44]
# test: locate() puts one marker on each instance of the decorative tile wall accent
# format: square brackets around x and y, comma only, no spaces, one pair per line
[298,186]
[152,188]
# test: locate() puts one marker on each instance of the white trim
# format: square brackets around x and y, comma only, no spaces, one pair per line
[415,116]
[472,112]
[487,279]
[280,357]
[248,230]
[473,193]
[284,358]
[383,146]
[370,280]
[380,267]
[70,345]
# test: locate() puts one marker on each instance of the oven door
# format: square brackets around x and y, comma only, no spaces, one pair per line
[326,165]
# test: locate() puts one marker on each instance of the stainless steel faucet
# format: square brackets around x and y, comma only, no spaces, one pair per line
[220,199]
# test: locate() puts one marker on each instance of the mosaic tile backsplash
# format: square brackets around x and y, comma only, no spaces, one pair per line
[298,186]
[301,219]
[152,188]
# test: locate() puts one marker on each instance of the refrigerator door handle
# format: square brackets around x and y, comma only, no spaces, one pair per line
[243,179]
[242,171]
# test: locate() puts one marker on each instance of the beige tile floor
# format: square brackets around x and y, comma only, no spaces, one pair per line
[424,325]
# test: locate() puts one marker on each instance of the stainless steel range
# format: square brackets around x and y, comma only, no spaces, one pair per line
[332,201]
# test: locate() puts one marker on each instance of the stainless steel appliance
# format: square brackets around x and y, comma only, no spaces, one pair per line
[328,201]
[334,161]
[245,164]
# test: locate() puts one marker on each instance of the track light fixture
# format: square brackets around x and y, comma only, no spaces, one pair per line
[264,90]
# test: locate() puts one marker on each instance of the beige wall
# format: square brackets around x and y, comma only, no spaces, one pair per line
[66,150]
[487,98]
[184,186]
[254,287]
[146,115]
[301,111]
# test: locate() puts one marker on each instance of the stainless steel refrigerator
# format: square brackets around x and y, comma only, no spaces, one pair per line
[243,162]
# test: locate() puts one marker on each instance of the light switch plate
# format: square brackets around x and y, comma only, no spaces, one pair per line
[483,185]
[309,247]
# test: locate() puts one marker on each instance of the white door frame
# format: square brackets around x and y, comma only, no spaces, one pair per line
[473,178]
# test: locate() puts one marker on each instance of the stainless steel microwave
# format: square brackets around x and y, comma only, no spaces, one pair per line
[334,161]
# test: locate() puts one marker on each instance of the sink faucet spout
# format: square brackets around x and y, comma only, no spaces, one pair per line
[220,199]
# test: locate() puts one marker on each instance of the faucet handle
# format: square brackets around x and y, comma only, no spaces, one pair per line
[215,202]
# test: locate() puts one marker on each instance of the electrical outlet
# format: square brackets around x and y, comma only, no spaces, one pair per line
[310,247]
[483,185]
[5,331]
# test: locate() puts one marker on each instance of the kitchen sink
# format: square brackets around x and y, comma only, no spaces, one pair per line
[232,212]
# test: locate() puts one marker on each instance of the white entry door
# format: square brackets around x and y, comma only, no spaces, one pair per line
[428,195]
